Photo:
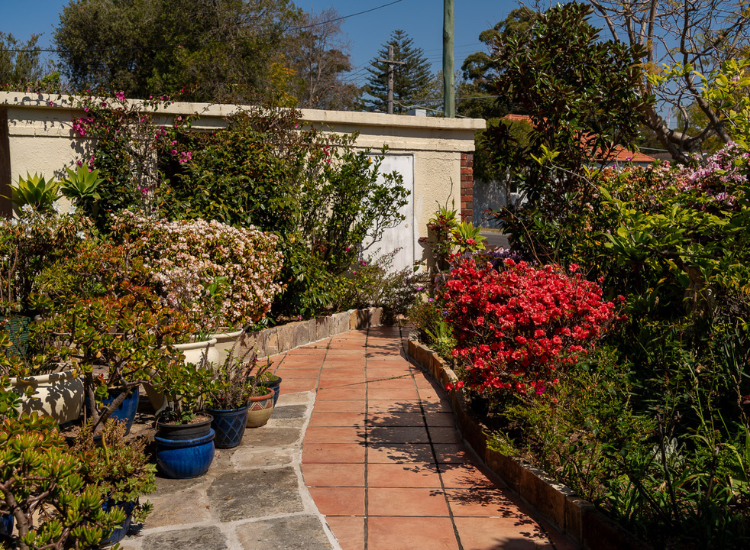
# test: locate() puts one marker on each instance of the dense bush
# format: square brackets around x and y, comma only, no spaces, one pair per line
[518,329]
[215,274]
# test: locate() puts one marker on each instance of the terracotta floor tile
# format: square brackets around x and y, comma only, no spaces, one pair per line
[333,453]
[392,384]
[433,394]
[343,372]
[334,475]
[339,383]
[339,501]
[347,394]
[327,434]
[382,501]
[359,406]
[395,419]
[399,406]
[294,374]
[464,476]
[444,435]
[403,533]
[354,419]
[349,531]
[398,453]
[377,373]
[424,384]
[495,533]
[396,393]
[436,406]
[441,419]
[396,434]
[403,475]
[451,453]
[337,350]
[308,350]
[482,503]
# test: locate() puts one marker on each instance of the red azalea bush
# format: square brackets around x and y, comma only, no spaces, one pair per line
[518,327]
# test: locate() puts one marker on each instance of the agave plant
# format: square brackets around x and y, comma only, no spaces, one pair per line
[35,191]
[82,184]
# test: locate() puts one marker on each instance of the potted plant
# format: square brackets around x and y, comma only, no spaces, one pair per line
[185,439]
[261,400]
[273,382]
[120,468]
[229,398]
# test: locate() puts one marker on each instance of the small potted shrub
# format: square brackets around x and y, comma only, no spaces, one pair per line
[261,400]
[272,382]
[120,468]
[229,398]
[185,439]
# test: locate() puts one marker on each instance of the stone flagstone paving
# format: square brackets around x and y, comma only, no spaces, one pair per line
[361,453]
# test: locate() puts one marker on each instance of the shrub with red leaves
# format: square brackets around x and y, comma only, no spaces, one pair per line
[517,328]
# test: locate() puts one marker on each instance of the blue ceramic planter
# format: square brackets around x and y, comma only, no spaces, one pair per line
[186,458]
[119,533]
[127,409]
[229,426]
[6,526]
[275,386]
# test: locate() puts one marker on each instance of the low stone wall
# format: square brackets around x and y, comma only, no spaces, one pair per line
[293,335]
[558,504]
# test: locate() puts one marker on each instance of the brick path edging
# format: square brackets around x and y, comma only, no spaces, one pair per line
[558,504]
[293,335]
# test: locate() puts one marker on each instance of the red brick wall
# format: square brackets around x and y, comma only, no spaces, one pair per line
[467,187]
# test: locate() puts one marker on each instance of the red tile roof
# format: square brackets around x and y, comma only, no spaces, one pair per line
[618,154]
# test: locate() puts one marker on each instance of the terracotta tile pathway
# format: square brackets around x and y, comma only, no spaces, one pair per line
[383,461]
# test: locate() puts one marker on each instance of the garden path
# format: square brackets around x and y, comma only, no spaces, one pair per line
[382,458]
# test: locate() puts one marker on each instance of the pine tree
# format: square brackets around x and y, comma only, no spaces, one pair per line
[411,82]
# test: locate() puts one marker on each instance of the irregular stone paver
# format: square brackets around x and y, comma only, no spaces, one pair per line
[252,496]
[255,493]
[197,538]
[290,533]
[384,462]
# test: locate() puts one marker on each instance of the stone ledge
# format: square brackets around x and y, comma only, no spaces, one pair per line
[556,503]
[293,335]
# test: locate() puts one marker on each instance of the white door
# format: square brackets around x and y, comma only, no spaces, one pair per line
[403,235]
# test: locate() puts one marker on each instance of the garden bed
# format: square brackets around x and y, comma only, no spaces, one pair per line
[558,504]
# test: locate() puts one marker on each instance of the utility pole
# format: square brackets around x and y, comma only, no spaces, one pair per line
[390,63]
[449,90]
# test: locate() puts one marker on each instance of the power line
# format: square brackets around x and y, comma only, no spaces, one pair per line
[167,46]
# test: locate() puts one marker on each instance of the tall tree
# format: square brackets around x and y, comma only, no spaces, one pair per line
[412,82]
[20,62]
[319,55]
[698,35]
[220,49]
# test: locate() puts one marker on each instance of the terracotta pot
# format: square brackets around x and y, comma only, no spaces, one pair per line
[59,395]
[259,411]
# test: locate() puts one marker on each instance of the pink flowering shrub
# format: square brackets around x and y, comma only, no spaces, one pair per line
[518,328]
[219,275]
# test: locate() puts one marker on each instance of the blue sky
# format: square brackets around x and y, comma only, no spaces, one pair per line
[421,19]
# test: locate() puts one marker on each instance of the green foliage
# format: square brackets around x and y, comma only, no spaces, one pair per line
[156,51]
[186,387]
[82,184]
[582,97]
[118,466]
[18,68]
[450,236]
[42,483]
[35,192]
[411,82]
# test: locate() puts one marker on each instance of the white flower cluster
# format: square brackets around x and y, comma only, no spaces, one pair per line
[186,257]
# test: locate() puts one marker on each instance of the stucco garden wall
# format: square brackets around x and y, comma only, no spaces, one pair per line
[36,136]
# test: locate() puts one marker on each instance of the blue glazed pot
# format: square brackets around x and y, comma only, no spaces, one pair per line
[274,385]
[6,526]
[229,426]
[185,458]
[127,409]
[119,533]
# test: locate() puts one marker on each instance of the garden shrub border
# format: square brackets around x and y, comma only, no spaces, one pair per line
[570,514]
[293,335]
